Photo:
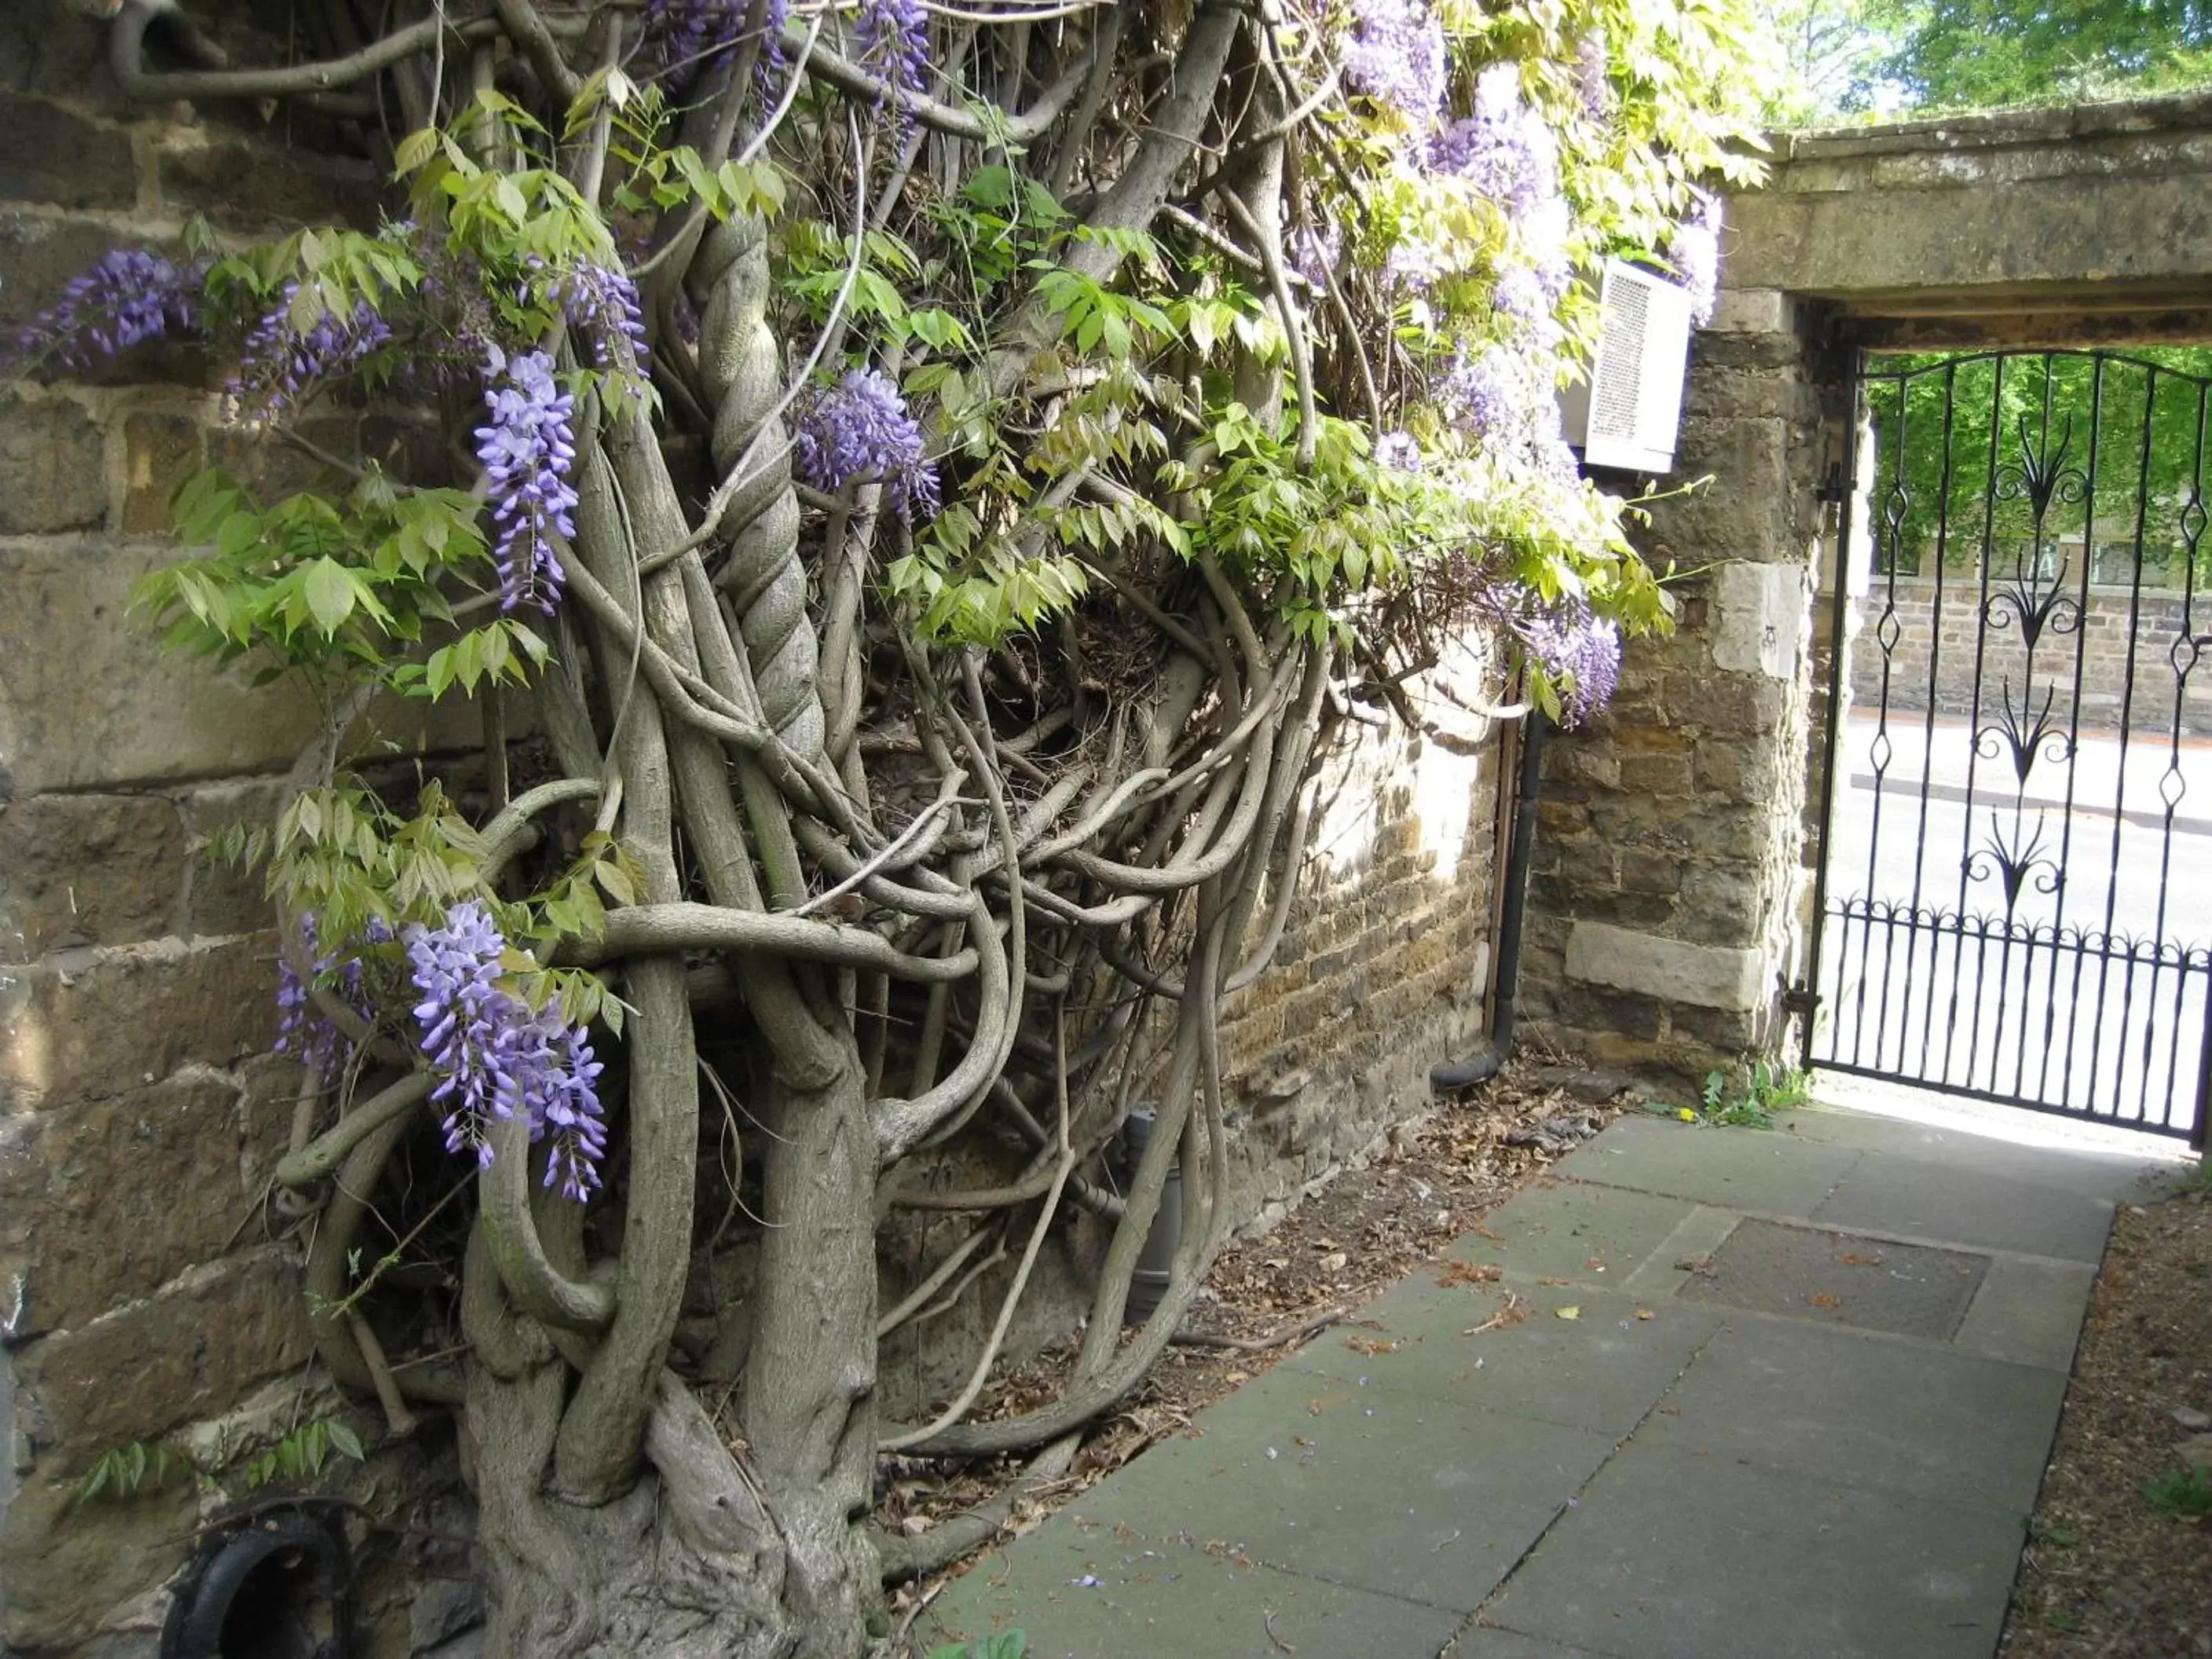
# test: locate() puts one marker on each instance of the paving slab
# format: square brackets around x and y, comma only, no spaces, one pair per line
[2028,1312]
[1960,1203]
[2113,1176]
[1575,1230]
[1370,1486]
[1788,1269]
[1079,1590]
[1602,1370]
[1918,1420]
[1744,1170]
[1674,1556]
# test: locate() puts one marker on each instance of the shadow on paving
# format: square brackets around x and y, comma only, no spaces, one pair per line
[1698,1393]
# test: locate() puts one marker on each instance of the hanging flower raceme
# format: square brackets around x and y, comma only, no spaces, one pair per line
[1395,55]
[1504,149]
[861,430]
[279,367]
[1579,647]
[527,448]
[493,1057]
[1491,395]
[893,41]
[1695,250]
[1398,450]
[1594,76]
[302,1032]
[128,297]
[598,301]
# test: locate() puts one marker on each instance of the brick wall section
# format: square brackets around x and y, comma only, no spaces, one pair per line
[1667,877]
[142,1292]
[1949,626]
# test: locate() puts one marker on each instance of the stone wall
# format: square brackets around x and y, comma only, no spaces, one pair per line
[1669,918]
[2124,644]
[1668,864]
[148,1288]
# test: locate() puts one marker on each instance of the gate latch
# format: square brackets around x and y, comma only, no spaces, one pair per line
[1801,999]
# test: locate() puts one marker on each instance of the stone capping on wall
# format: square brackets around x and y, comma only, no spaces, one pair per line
[2183,111]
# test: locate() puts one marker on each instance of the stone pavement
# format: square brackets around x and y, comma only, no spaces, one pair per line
[1769,1396]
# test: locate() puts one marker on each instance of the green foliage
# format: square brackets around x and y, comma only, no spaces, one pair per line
[302,1455]
[123,1472]
[1007,1644]
[1978,53]
[1772,1089]
[2183,1493]
[332,585]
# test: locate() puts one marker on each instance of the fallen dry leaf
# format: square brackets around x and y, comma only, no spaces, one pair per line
[1463,1273]
[1822,1299]
[1554,1279]
[1512,1313]
[1853,1259]
[1369,1344]
[1644,1313]
[1567,1313]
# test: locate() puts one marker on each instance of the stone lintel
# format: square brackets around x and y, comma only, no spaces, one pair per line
[1708,975]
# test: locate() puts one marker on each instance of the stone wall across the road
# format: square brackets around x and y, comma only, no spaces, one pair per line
[2124,649]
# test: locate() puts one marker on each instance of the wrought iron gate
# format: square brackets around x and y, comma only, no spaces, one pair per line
[2014,897]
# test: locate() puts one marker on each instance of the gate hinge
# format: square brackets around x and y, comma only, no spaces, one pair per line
[1830,488]
[1801,999]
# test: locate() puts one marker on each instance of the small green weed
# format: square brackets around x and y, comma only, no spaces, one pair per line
[1772,1090]
[301,1454]
[124,1472]
[1010,1644]
[2185,1494]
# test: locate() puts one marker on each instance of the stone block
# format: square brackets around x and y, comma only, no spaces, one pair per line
[159,452]
[193,1350]
[53,465]
[1752,311]
[103,1201]
[1722,906]
[51,154]
[220,897]
[86,870]
[68,1565]
[1760,612]
[87,699]
[1649,872]
[117,1020]
[264,186]
[1710,976]
[1666,776]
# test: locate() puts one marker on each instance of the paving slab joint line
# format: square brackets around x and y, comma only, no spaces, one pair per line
[1474,1618]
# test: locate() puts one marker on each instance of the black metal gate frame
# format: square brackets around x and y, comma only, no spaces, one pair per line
[2042,479]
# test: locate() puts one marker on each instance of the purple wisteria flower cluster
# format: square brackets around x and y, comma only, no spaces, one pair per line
[528,449]
[302,1032]
[861,430]
[1491,396]
[128,297]
[495,1057]
[1510,156]
[686,37]
[1398,450]
[1577,646]
[893,41]
[1396,57]
[599,301]
[1695,249]
[279,367]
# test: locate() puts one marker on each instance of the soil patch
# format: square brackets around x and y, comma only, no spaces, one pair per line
[2108,1571]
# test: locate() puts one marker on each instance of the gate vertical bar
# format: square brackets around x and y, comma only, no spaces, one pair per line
[1840,608]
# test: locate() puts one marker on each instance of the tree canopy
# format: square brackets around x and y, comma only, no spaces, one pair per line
[1898,56]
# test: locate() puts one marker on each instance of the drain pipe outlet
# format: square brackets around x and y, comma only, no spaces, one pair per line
[1488,1060]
